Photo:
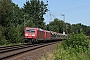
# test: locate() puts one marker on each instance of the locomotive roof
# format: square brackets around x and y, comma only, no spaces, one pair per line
[47,31]
[40,29]
[34,28]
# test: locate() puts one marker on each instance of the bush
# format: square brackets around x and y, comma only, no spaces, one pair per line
[77,41]
[14,34]
[70,54]
[3,40]
[76,47]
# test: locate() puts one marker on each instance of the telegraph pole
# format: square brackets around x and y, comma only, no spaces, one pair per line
[63,23]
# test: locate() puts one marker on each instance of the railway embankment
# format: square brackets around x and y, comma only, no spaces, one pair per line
[27,51]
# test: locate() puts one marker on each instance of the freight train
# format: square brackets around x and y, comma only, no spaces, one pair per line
[38,34]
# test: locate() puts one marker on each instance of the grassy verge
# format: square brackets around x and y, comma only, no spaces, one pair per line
[12,44]
[47,56]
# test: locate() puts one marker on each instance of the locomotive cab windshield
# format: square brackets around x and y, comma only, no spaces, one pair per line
[32,31]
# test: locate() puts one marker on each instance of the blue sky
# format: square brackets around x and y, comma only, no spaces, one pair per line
[75,11]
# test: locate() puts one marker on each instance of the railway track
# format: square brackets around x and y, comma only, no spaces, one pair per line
[6,52]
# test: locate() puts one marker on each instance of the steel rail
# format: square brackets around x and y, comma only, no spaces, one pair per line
[11,48]
[11,52]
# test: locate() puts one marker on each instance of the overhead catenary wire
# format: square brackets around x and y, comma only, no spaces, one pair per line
[50,14]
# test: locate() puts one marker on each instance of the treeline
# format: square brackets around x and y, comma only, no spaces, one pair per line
[14,19]
[60,26]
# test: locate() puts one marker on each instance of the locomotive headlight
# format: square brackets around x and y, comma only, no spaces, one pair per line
[26,34]
[33,35]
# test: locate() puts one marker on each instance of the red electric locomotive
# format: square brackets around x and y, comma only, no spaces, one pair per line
[47,35]
[33,34]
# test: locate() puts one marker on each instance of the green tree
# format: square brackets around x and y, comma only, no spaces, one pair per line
[56,25]
[54,28]
[2,37]
[11,22]
[36,9]
[16,16]
[68,28]
[15,35]
[76,28]
[5,6]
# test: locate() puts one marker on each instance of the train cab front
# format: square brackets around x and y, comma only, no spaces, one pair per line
[29,34]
